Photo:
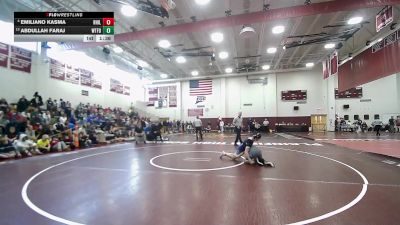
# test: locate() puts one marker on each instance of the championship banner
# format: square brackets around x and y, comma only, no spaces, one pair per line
[334,63]
[20,59]
[4,48]
[127,90]
[195,112]
[384,17]
[116,86]
[72,74]
[57,69]
[86,77]
[152,95]
[330,66]
[172,96]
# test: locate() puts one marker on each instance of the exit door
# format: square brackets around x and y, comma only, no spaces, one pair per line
[318,123]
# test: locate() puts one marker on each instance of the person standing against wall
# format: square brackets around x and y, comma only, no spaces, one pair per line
[221,126]
[398,123]
[198,127]
[237,122]
[391,125]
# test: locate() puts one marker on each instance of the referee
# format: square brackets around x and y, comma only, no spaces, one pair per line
[237,122]
[198,127]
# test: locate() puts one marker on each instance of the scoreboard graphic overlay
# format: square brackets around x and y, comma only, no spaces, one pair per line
[64,26]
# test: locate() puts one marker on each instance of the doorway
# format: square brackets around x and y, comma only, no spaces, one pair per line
[318,123]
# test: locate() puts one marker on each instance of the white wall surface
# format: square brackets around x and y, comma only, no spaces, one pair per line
[14,84]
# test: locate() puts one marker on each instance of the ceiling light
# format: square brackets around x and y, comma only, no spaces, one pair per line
[217,37]
[180,59]
[308,65]
[164,44]
[228,70]
[271,50]
[128,10]
[278,29]
[223,55]
[202,2]
[195,73]
[142,63]
[380,39]
[118,49]
[163,75]
[266,67]
[329,45]
[355,20]
[247,32]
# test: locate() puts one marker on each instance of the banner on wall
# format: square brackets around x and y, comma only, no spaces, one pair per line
[72,74]
[86,77]
[153,95]
[4,49]
[97,84]
[20,59]
[116,86]
[57,69]
[195,112]
[330,65]
[172,96]
[127,90]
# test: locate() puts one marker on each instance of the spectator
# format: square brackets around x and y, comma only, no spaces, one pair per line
[221,126]
[398,123]
[3,105]
[3,123]
[36,101]
[43,144]
[377,124]
[49,104]
[266,125]
[24,145]
[30,133]
[139,133]
[58,145]
[391,125]
[22,104]
[198,128]
[7,150]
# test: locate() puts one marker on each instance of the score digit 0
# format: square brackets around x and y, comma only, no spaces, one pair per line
[108,21]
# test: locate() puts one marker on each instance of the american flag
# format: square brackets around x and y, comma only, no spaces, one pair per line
[200,87]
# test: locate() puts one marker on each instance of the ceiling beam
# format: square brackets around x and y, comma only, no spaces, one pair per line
[246,18]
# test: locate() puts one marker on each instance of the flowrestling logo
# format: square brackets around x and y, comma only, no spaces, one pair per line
[200,99]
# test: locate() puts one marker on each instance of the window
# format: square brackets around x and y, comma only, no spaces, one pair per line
[376,117]
[356,117]
[366,117]
[346,117]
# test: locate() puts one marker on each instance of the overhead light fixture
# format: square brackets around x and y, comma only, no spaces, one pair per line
[350,56]
[217,37]
[284,47]
[163,76]
[118,49]
[228,70]
[310,64]
[202,2]
[128,10]
[180,59]
[380,39]
[355,20]
[247,32]
[278,29]
[142,63]
[271,50]
[195,73]
[223,55]
[266,67]
[164,44]
[329,45]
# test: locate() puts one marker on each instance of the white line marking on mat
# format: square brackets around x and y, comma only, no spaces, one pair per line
[198,159]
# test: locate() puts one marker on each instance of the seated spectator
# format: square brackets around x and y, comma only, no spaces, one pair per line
[24,145]
[58,145]
[30,133]
[3,123]
[59,126]
[22,104]
[11,132]
[43,144]
[3,105]
[67,139]
[84,141]
[7,150]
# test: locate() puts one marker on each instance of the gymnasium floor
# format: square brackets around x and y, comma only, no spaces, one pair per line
[185,182]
